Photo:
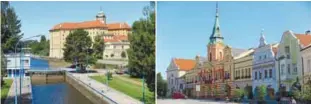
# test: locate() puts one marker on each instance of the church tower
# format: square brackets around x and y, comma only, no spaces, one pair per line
[262,41]
[215,47]
[101,16]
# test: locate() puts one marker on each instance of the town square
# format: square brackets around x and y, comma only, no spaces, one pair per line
[236,60]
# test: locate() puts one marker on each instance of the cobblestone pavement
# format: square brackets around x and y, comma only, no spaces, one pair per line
[190,101]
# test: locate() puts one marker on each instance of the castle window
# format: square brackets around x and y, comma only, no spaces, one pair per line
[259,75]
[266,76]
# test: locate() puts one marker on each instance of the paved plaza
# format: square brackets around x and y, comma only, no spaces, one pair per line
[191,101]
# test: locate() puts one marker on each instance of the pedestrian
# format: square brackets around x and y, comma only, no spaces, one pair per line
[293,101]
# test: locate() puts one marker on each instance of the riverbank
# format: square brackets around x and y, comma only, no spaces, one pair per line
[127,85]
[5,89]
[26,95]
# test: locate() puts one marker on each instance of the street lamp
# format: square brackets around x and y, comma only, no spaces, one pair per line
[21,67]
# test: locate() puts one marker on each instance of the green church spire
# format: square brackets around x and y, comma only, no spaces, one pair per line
[216,35]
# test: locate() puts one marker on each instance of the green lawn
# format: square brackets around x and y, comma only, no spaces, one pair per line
[5,89]
[128,88]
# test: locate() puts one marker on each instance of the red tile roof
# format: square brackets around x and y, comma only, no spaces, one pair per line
[304,39]
[184,64]
[90,24]
[114,26]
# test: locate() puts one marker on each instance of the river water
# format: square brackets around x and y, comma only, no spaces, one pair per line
[54,93]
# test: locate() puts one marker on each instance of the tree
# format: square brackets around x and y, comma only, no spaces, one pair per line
[161,86]
[76,49]
[3,67]
[123,54]
[141,53]
[98,47]
[238,94]
[261,92]
[10,27]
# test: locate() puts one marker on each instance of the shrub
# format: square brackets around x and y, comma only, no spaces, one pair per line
[109,75]
[261,91]
[238,94]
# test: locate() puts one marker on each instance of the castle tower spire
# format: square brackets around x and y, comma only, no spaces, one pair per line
[216,35]
[262,39]
[101,16]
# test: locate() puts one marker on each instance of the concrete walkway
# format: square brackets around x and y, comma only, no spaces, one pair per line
[26,92]
[113,94]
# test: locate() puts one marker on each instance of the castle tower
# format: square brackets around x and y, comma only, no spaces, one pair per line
[216,45]
[101,16]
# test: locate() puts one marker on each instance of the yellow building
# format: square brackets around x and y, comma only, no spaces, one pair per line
[243,65]
[96,27]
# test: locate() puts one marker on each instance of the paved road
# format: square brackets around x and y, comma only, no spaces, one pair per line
[113,94]
[114,62]
[26,92]
[189,101]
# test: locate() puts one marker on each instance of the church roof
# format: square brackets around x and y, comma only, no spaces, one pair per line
[304,39]
[184,64]
[216,35]
[89,24]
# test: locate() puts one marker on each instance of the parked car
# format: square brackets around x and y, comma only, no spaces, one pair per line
[178,95]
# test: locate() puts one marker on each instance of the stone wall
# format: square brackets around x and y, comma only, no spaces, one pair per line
[88,92]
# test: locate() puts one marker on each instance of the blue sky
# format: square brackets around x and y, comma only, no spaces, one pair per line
[183,28]
[38,17]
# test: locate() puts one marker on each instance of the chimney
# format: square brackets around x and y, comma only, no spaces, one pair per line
[308,32]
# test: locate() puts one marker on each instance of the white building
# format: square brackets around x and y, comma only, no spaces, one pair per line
[264,72]
[175,71]
[15,63]
[306,60]
[115,46]
[288,58]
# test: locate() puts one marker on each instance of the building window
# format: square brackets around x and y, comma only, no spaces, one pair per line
[309,65]
[255,75]
[242,73]
[287,51]
[270,73]
[259,57]
[282,69]
[266,74]
[122,47]
[288,68]
[294,68]
[259,75]
[114,47]
[265,57]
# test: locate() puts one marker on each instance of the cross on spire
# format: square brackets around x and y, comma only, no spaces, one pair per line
[216,8]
